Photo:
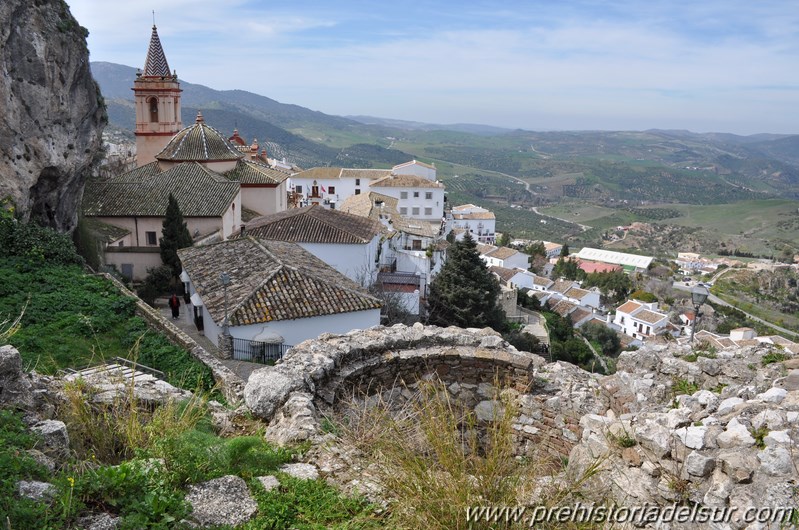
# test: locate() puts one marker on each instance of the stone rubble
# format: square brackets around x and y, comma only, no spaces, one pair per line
[221,501]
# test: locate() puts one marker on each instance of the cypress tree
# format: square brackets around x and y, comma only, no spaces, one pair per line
[465,292]
[174,236]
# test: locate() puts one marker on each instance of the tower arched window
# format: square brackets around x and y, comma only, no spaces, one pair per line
[153,102]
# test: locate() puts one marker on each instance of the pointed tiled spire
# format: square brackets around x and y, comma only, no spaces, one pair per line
[156,64]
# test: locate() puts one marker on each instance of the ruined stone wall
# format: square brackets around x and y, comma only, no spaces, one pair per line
[321,376]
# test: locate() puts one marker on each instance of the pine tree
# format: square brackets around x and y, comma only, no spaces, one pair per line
[174,236]
[465,292]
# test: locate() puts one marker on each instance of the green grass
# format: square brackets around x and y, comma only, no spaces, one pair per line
[72,320]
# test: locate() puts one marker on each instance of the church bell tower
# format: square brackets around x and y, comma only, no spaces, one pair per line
[156,92]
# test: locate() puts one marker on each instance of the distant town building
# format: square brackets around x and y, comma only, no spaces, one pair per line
[630,262]
[479,222]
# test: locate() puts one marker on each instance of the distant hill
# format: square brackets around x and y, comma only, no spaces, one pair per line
[472,128]
[256,117]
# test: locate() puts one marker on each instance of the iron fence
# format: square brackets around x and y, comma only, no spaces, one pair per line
[258,352]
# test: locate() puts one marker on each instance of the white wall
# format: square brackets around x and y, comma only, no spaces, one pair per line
[264,200]
[296,331]
[482,230]
[343,187]
[435,203]
[356,262]
[416,169]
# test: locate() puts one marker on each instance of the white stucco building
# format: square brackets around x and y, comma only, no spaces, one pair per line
[349,243]
[507,257]
[479,222]
[640,320]
[414,167]
[418,198]
[278,293]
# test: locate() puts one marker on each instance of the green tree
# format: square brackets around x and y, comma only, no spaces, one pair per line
[614,285]
[564,251]
[607,339]
[504,240]
[465,292]
[567,268]
[538,256]
[174,236]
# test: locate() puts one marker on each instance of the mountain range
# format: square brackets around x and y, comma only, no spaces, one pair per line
[764,165]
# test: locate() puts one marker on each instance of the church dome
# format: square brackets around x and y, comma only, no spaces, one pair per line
[199,143]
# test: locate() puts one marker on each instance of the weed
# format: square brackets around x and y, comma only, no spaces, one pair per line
[719,388]
[773,357]
[623,439]
[684,386]
[759,435]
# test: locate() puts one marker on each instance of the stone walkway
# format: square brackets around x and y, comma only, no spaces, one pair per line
[242,368]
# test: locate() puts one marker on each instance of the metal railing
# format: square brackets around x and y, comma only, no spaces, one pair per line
[258,352]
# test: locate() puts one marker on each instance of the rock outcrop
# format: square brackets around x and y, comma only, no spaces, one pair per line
[51,111]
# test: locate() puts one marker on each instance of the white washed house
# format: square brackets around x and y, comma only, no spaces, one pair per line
[349,243]
[414,167]
[418,198]
[479,222]
[640,320]
[278,292]
[330,186]
[507,257]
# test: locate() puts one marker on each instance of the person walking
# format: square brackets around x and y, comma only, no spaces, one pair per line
[174,304]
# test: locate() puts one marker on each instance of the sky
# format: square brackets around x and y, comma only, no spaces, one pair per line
[702,65]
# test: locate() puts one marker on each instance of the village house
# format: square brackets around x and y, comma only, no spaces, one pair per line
[640,320]
[507,257]
[414,251]
[741,337]
[330,186]
[418,198]
[552,249]
[414,167]
[479,222]
[349,243]
[515,278]
[277,295]
[571,291]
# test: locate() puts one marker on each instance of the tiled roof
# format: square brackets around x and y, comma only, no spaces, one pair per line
[105,232]
[651,317]
[542,281]
[139,174]
[318,173]
[412,162]
[504,273]
[314,224]
[247,172]
[577,293]
[469,206]
[548,245]
[155,65]
[628,307]
[405,181]
[485,249]
[563,307]
[364,173]
[269,281]
[541,295]
[503,253]
[367,205]
[561,286]
[477,216]
[199,192]
[579,314]
[200,143]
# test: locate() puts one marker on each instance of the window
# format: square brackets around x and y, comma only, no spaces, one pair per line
[121,243]
[153,109]
[428,211]
[298,189]
[415,210]
[428,195]
[403,195]
[357,182]
[417,244]
[357,192]
[151,239]
[331,190]
[415,194]
[403,211]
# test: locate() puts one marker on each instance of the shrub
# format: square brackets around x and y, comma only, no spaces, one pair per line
[773,357]
[159,281]
[36,244]
[684,386]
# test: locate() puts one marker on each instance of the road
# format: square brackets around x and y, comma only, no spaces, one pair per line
[716,300]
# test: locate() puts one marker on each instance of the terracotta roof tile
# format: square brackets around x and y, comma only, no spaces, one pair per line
[651,317]
[270,280]
[504,273]
[629,306]
[247,172]
[199,143]
[199,192]
[314,224]
[405,181]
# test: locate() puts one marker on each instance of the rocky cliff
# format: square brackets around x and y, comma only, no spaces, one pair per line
[51,111]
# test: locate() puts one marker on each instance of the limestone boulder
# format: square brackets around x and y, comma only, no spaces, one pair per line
[221,501]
